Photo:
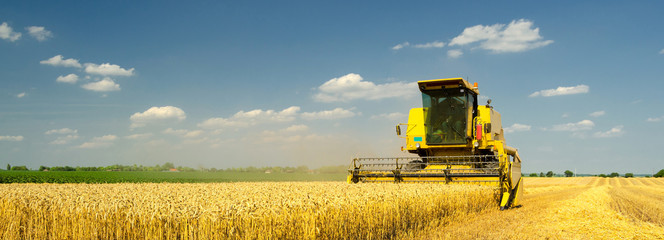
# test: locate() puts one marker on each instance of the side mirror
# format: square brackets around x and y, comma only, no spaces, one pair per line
[398,130]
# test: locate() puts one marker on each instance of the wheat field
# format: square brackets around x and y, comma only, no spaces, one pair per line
[268,210]
[553,208]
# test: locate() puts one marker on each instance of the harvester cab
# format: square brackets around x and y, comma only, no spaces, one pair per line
[456,140]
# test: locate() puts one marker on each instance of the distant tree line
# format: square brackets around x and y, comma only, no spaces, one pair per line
[569,173]
[168,166]
[124,168]
[541,174]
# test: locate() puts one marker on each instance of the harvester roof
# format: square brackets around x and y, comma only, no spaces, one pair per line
[447,83]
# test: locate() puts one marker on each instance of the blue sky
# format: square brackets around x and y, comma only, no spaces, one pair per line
[234,84]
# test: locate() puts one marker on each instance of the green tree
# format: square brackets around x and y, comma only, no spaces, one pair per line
[569,173]
[602,175]
[42,168]
[9,167]
[659,174]
[533,175]
[629,175]
[19,168]
[302,169]
[65,168]
[549,174]
[541,174]
[167,166]
[614,174]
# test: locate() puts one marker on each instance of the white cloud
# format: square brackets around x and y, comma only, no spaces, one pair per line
[183,133]
[395,116]
[613,132]
[218,123]
[573,127]
[655,119]
[400,46]
[155,114]
[99,142]
[253,117]
[454,53]
[61,131]
[107,138]
[285,115]
[64,139]
[11,138]
[517,36]
[139,136]
[59,61]
[434,44]
[20,95]
[71,134]
[7,33]
[561,91]
[39,33]
[336,113]
[517,127]
[71,78]
[107,69]
[352,86]
[477,33]
[661,52]
[104,85]
[597,114]
[296,128]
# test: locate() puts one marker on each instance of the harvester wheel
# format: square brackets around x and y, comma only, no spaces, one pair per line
[355,179]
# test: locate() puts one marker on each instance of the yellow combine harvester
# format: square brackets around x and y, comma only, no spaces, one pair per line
[457,141]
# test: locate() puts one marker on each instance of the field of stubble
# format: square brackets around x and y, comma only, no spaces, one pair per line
[570,208]
[553,208]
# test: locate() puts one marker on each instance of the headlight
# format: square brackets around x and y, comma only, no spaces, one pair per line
[476,144]
[417,145]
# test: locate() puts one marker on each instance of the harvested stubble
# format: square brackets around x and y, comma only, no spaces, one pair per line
[322,210]
[640,202]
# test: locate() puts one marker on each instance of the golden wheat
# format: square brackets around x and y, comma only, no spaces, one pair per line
[553,208]
[330,210]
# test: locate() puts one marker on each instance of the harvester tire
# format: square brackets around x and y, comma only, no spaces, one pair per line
[355,180]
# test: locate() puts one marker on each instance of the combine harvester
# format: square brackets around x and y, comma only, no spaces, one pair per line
[457,141]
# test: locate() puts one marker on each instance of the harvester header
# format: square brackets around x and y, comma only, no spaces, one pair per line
[456,140]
